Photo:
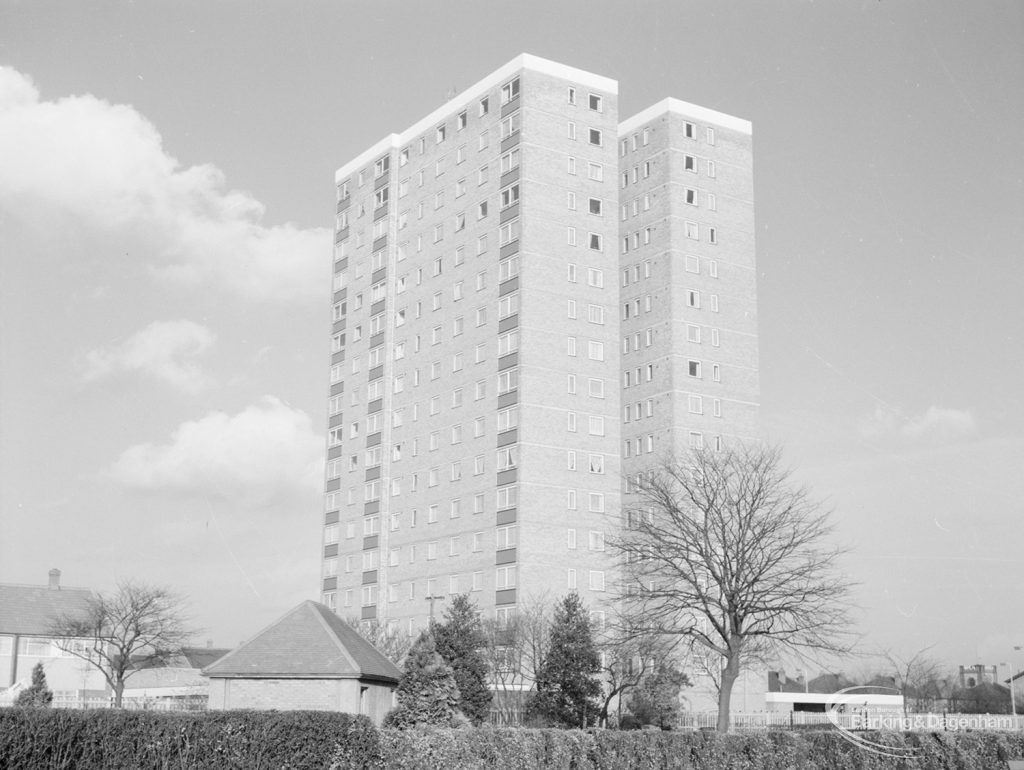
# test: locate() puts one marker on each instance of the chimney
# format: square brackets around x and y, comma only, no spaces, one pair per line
[55,579]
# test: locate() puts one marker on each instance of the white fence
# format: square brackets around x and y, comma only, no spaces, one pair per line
[884,721]
[132,704]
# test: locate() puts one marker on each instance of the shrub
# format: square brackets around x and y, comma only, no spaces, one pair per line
[38,695]
[59,739]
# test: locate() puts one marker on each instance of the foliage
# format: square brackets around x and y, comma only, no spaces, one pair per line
[656,700]
[722,550]
[522,749]
[101,739]
[38,695]
[427,693]
[628,657]
[137,626]
[566,687]
[460,641]
[66,739]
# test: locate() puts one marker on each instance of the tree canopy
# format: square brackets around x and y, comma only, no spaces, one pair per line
[460,641]
[722,549]
[427,693]
[567,687]
[135,626]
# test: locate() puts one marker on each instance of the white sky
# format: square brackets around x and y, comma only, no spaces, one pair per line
[166,196]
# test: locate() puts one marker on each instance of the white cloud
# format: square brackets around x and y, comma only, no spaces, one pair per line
[262,455]
[936,425]
[163,350]
[104,164]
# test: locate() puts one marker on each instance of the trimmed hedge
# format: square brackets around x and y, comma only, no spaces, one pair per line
[512,749]
[59,739]
[66,739]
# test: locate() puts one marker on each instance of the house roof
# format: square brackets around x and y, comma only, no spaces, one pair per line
[190,657]
[31,609]
[308,641]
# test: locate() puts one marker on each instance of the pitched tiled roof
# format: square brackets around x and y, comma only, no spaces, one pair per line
[309,640]
[30,609]
[190,657]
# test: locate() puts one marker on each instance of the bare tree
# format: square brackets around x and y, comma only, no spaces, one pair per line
[725,551]
[919,678]
[136,626]
[515,651]
[392,643]
[628,658]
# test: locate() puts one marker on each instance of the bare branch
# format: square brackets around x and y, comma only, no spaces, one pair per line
[137,626]
[723,550]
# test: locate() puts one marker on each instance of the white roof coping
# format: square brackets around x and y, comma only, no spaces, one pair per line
[465,98]
[688,110]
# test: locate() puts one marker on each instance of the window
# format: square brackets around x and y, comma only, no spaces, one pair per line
[571,95]
[508,419]
[505,537]
[510,196]
[439,134]
[570,236]
[596,425]
[696,404]
[595,314]
[693,368]
[570,580]
[509,91]
[381,166]
[483,106]
[570,165]
[509,232]
[594,137]
[711,168]
[509,161]
[594,102]
[595,206]
[595,171]
[595,277]
[571,201]
[693,333]
[570,130]
[693,298]
[596,580]
[594,241]
[508,343]
[596,502]
[690,163]
[571,540]
[692,231]
[595,350]
[507,497]
[595,388]
[505,578]
[596,541]
[597,463]
[510,125]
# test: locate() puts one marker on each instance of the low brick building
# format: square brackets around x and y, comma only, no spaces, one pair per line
[307,659]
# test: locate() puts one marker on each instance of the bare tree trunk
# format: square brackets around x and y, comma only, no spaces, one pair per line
[118,694]
[730,673]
